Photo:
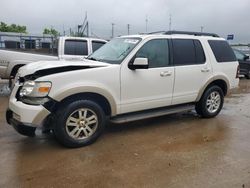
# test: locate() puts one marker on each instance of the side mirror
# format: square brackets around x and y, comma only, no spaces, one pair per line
[246,57]
[139,63]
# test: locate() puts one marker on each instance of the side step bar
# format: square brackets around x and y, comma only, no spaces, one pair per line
[124,118]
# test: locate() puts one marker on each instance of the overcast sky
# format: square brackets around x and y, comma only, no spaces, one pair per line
[218,16]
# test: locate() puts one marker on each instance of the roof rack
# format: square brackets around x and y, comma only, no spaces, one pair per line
[191,33]
[156,32]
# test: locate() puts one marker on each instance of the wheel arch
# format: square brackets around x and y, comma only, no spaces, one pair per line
[99,99]
[16,64]
[14,70]
[102,97]
[220,81]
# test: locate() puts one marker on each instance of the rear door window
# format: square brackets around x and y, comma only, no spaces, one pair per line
[76,47]
[187,52]
[222,51]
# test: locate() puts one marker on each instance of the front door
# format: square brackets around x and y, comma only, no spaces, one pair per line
[148,88]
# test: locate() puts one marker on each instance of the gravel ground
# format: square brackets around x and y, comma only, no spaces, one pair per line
[180,150]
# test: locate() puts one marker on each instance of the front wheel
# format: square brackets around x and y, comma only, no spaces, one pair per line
[79,123]
[211,102]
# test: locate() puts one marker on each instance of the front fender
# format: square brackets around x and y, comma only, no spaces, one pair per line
[69,91]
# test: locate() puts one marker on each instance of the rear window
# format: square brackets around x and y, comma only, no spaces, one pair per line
[188,52]
[222,51]
[96,45]
[75,47]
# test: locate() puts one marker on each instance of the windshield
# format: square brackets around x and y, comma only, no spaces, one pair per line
[239,55]
[115,51]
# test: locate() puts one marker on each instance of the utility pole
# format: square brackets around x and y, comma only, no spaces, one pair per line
[202,29]
[112,32]
[146,23]
[128,29]
[170,22]
[78,30]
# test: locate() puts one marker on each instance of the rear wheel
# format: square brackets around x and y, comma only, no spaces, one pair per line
[211,102]
[79,123]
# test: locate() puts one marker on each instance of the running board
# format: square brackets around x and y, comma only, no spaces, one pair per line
[124,118]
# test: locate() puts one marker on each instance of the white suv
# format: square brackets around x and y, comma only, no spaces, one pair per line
[129,78]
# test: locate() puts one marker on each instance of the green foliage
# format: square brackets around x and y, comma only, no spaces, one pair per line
[51,31]
[12,28]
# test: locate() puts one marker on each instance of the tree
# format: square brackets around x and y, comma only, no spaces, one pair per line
[12,28]
[51,31]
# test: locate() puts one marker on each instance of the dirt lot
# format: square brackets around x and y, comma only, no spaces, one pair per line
[180,150]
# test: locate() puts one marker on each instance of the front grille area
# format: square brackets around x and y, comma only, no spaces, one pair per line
[18,94]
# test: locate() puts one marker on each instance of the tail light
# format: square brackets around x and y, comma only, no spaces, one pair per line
[238,72]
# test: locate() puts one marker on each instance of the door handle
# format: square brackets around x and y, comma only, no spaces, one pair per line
[165,73]
[205,69]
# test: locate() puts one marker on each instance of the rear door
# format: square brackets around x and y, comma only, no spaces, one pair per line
[192,69]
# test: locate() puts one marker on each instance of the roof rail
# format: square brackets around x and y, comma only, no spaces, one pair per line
[153,33]
[156,32]
[191,33]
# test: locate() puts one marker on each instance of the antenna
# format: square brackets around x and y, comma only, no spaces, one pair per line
[146,23]
[112,32]
[128,28]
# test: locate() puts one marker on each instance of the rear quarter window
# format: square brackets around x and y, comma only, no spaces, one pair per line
[222,51]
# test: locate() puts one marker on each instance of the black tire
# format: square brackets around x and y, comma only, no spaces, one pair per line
[201,106]
[67,110]
[247,76]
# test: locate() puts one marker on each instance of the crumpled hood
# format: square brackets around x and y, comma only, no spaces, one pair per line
[59,64]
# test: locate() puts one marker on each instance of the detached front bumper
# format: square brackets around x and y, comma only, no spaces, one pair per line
[24,129]
[23,117]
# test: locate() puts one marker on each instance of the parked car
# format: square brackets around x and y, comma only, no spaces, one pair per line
[68,48]
[244,63]
[129,78]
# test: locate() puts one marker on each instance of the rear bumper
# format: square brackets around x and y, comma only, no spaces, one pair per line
[22,128]
[245,72]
